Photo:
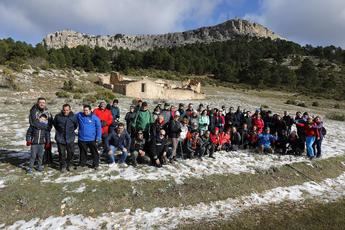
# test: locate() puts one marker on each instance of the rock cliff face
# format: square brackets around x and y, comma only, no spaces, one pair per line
[221,32]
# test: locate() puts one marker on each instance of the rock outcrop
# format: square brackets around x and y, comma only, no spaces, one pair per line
[222,32]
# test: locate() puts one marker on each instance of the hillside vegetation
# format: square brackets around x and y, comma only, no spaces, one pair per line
[256,62]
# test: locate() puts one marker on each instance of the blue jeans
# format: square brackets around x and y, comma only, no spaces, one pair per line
[317,147]
[309,142]
[112,155]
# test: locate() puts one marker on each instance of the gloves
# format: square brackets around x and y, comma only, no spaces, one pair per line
[104,123]
[48,146]
[28,143]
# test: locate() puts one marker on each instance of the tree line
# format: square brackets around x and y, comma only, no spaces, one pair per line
[257,62]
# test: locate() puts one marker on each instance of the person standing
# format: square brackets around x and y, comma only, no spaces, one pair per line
[143,120]
[89,135]
[65,123]
[37,110]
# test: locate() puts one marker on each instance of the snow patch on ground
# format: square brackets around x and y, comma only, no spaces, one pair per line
[168,218]
[2,184]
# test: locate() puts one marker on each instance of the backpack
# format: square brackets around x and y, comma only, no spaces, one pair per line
[323,131]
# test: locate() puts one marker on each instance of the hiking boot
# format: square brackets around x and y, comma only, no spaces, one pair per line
[29,171]
[40,169]
[63,170]
[211,156]
[96,168]
[200,159]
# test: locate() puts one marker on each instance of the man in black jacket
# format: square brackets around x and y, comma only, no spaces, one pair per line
[174,130]
[65,124]
[138,154]
[159,149]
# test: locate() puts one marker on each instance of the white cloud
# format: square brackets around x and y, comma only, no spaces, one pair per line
[317,22]
[32,19]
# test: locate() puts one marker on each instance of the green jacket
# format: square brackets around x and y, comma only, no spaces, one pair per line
[143,120]
[204,122]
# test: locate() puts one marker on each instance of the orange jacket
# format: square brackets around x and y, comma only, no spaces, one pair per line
[106,119]
[224,138]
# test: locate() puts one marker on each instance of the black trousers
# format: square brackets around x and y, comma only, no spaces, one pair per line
[83,147]
[65,159]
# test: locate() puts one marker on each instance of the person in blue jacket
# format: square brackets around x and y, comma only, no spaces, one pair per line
[89,135]
[266,140]
[118,140]
[65,124]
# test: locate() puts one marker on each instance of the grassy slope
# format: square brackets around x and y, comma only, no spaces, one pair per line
[308,215]
[26,197]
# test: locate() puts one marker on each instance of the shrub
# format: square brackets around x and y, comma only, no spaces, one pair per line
[301,104]
[90,99]
[336,116]
[337,106]
[264,106]
[77,96]
[291,102]
[68,85]
[105,95]
[62,94]
[315,104]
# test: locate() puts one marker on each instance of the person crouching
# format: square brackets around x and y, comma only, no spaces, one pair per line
[118,140]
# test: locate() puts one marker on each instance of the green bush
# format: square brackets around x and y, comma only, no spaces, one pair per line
[89,99]
[336,116]
[105,95]
[68,85]
[302,104]
[77,96]
[62,94]
[291,102]
[315,104]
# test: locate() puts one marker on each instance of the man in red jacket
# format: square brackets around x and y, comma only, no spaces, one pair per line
[106,118]
[258,122]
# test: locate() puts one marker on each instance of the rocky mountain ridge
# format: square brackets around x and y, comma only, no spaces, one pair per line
[221,32]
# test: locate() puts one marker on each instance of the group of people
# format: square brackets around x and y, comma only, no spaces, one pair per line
[167,133]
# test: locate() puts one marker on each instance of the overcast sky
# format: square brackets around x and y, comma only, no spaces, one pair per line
[317,22]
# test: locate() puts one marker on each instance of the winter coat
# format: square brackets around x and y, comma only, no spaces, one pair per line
[155,129]
[288,121]
[309,130]
[115,112]
[253,138]
[34,115]
[38,136]
[219,121]
[137,145]
[259,123]
[194,120]
[106,119]
[158,147]
[266,139]
[237,118]
[215,139]
[320,129]
[167,116]
[143,120]
[204,121]
[224,138]
[65,127]
[119,141]
[90,128]
[174,129]
[236,138]
[191,146]
[129,118]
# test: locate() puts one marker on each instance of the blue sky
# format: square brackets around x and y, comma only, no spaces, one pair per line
[316,22]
